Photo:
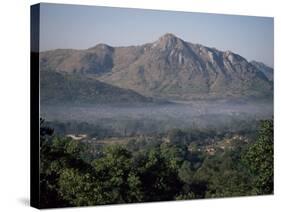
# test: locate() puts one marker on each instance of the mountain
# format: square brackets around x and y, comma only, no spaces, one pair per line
[167,68]
[94,60]
[268,71]
[58,88]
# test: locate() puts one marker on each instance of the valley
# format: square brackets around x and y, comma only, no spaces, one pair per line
[166,120]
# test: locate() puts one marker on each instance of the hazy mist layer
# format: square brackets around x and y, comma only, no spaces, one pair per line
[149,118]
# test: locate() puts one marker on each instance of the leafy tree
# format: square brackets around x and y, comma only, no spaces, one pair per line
[78,188]
[259,159]
[185,173]
[49,196]
[158,176]
[173,154]
[149,169]
[56,155]
[117,177]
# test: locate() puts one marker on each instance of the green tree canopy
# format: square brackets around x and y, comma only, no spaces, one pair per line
[259,159]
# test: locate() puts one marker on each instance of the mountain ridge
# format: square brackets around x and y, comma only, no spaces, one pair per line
[166,68]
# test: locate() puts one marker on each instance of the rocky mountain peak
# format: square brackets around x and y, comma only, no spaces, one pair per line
[102,47]
[168,36]
[169,41]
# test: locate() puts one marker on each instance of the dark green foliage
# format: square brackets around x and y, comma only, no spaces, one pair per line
[117,178]
[259,159]
[56,155]
[158,175]
[49,196]
[225,176]
[150,169]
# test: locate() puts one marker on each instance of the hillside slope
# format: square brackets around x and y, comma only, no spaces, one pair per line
[57,88]
[168,68]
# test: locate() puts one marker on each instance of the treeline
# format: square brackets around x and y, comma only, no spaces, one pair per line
[75,127]
[104,128]
[152,171]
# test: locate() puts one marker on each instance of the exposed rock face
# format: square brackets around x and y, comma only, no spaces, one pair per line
[268,72]
[168,68]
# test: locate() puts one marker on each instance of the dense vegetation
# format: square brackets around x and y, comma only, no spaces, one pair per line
[58,88]
[159,167]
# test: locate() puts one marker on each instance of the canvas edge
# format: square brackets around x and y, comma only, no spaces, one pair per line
[34,107]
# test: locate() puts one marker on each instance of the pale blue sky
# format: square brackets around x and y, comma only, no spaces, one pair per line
[81,27]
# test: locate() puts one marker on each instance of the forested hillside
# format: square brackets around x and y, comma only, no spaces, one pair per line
[161,167]
[57,88]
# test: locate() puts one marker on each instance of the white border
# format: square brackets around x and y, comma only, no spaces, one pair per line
[14,112]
